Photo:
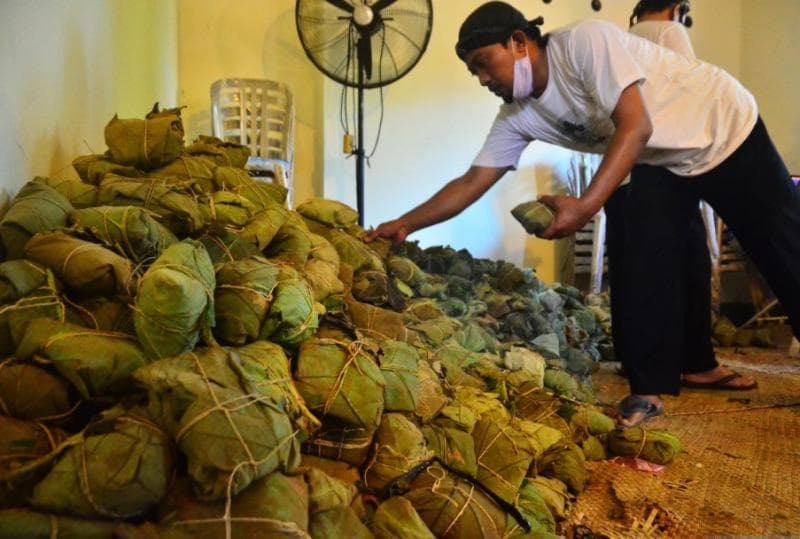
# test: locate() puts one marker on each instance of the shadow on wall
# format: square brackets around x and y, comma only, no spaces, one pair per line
[75,106]
[284,59]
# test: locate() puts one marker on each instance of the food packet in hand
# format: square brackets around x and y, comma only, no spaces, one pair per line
[534,216]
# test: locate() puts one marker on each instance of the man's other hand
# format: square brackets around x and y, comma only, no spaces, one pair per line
[396,231]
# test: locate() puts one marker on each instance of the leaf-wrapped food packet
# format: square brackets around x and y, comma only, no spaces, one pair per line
[243,297]
[79,194]
[355,252]
[84,267]
[452,446]
[322,269]
[431,395]
[132,230]
[378,322]
[16,523]
[106,314]
[18,278]
[338,522]
[220,152]
[326,492]
[228,209]
[396,517]
[398,362]
[92,168]
[483,405]
[337,440]
[145,144]
[42,302]
[399,447]
[239,181]
[117,468]
[293,315]
[25,450]
[291,243]
[506,451]
[452,507]
[341,380]
[175,300]
[435,332]
[377,288]
[566,463]
[554,493]
[531,362]
[273,507]
[406,270]
[534,216]
[420,309]
[535,510]
[226,247]
[331,213]
[534,403]
[231,432]
[593,448]
[656,446]
[36,208]
[592,421]
[458,416]
[193,174]
[264,225]
[267,371]
[31,393]
[174,209]
[105,371]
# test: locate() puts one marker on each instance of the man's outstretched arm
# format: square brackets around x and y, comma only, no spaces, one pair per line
[451,200]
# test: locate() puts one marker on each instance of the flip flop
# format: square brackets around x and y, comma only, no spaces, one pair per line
[633,404]
[721,383]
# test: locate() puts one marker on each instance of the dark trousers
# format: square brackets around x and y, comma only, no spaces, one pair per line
[659,263]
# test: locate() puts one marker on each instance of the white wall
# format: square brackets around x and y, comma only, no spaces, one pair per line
[252,39]
[67,68]
[436,119]
[771,70]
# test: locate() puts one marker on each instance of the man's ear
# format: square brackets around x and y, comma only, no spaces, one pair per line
[519,41]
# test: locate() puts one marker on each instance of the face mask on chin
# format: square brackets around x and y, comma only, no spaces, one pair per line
[523,77]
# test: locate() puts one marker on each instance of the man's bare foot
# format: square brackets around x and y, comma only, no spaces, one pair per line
[719,378]
[635,409]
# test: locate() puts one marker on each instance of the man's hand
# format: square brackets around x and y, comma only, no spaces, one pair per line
[396,231]
[570,215]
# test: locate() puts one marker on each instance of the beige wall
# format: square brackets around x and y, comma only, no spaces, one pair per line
[67,68]
[436,119]
[251,39]
[770,69]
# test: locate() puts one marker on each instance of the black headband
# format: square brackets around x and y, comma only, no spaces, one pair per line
[493,22]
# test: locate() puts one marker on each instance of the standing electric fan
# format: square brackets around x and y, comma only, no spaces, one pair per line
[364,44]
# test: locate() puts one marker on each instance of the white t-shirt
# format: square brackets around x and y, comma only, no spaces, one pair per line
[669,34]
[700,113]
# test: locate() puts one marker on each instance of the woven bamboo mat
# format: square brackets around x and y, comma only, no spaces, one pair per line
[739,473]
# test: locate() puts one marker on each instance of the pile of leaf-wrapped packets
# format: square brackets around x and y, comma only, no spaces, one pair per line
[185,357]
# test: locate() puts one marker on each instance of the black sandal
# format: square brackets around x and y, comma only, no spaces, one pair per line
[633,404]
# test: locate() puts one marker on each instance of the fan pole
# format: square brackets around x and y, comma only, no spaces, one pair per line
[360,156]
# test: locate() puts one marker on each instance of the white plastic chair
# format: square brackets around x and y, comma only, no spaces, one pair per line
[259,114]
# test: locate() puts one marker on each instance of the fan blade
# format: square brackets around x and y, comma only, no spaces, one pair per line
[382,4]
[365,54]
[341,4]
